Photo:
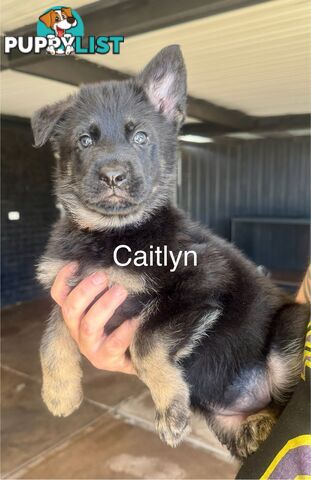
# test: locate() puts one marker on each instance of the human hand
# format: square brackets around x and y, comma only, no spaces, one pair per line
[86,325]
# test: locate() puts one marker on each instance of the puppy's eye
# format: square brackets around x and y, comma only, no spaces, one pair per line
[85,140]
[140,138]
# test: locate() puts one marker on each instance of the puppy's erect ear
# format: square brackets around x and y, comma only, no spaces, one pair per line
[45,120]
[164,80]
[47,18]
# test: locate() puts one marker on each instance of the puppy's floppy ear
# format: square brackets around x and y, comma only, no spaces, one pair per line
[67,11]
[47,18]
[45,120]
[164,80]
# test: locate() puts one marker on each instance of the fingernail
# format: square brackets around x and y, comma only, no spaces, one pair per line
[73,266]
[98,278]
[119,291]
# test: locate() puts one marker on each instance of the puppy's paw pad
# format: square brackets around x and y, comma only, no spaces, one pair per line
[253,432]
[61,404]
[173,424]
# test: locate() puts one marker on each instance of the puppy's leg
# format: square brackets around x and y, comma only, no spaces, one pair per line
[168,389]
[60,361]
[242,436]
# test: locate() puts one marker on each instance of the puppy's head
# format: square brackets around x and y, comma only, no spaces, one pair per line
[61,19]
[116,143]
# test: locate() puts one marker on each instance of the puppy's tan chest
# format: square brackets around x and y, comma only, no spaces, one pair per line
[132,282]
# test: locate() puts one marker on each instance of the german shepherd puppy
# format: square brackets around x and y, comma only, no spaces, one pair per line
[217,337]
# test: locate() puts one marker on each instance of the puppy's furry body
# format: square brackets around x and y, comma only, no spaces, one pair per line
[218,337]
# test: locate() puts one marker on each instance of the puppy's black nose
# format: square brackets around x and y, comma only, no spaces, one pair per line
[71,20]
[113,177]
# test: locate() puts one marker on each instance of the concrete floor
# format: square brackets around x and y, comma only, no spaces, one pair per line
[110,436]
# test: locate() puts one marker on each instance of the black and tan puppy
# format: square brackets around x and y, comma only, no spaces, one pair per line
[215,335]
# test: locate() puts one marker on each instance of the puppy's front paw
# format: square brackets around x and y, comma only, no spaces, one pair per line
[173,423]
[69,50]
[61,400]
[51,50]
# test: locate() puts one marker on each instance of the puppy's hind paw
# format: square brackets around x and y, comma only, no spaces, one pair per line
[252,433]
[61,402]
[172,424]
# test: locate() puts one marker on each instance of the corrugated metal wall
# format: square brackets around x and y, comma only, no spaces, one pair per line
[26,188]
[266,178]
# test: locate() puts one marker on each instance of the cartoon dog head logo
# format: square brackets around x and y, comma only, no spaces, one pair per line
[59,20]
[60,25]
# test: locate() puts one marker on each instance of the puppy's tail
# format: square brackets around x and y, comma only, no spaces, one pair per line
[285,360]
